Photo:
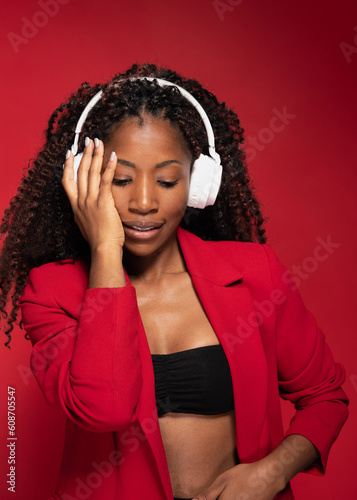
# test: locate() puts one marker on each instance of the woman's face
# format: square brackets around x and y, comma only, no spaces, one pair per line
[151,181]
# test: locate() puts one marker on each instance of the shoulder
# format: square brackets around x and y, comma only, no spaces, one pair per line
[66,278]
[229,248]
[255,262]
[245,251]
[244,254]
[252,255]
[62,270]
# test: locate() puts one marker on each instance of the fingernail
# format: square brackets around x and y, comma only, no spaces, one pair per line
[86,142]
[67,154]
[112,156]
[96,142]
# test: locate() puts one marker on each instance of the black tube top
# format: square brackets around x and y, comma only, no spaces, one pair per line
[193,381]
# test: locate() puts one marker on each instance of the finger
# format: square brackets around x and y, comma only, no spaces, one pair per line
[108,175]
[94,173]
[211,493]
[68,182]
[82,174]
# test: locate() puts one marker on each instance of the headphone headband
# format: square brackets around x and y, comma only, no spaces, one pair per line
[162,83]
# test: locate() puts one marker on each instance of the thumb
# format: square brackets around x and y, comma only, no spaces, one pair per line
[211,493]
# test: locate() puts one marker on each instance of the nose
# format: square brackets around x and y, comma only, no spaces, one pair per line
[143,196]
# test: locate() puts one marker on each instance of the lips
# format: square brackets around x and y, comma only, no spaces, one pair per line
[141,225]
[142,230]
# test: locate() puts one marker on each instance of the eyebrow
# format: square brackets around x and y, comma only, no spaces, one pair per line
[158,165]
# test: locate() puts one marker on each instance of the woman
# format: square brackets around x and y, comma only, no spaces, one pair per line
[164,331]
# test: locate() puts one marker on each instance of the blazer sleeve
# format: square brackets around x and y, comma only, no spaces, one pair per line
[85,347]
[308,375]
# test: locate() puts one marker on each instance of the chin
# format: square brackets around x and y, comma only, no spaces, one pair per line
[140,250]
[149,247]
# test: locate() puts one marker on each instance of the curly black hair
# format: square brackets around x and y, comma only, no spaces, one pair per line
[39,222]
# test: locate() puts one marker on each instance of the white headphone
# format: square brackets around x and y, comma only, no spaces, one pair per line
[206,172]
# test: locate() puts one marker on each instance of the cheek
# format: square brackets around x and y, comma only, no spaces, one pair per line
[176,209]
[176,203]
[120,199]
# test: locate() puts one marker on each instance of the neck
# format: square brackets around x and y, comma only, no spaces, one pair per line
[166,260]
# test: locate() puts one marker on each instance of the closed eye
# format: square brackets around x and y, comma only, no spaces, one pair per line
[165,184]
[168,184]
[121,182]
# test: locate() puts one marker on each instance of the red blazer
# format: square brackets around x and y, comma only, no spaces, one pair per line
[91,358]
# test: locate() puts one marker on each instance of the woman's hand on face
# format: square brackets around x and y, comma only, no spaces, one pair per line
[91,197]
[244,482]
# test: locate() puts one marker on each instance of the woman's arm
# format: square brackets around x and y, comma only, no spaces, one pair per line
[293,455]
[85,334]
[106,268]
[308,375]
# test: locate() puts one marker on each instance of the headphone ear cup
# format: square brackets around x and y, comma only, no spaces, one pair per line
[205,182]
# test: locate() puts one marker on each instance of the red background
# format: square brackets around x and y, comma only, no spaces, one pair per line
[256,56]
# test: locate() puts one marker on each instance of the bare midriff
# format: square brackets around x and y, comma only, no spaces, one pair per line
[198,449]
